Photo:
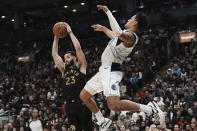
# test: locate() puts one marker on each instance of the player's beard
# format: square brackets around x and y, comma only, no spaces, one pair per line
[69,65]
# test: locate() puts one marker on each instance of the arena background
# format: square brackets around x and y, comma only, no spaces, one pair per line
[163,66]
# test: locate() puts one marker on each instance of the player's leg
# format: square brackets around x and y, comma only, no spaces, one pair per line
[85,117]
[152,109]
[111,90]
[87,99]
[114,103]
[71,114]
[92,87]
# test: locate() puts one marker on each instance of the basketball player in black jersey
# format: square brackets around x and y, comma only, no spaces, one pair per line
[73,70]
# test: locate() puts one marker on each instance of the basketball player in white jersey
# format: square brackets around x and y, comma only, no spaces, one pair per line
[110,74]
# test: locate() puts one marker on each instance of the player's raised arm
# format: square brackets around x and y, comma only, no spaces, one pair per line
[127,38]
[80,55]
[104,29]
[113,23]
[57,59]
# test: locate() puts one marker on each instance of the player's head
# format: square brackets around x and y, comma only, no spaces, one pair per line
[70,58]
[137,22]
[35,113]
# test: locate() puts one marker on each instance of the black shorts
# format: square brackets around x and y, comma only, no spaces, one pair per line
[79,116]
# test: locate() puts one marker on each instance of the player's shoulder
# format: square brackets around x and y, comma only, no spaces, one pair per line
[129,32]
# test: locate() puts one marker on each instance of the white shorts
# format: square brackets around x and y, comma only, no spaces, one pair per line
[105,81]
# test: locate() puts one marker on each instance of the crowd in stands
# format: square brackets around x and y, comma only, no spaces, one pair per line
[151,72]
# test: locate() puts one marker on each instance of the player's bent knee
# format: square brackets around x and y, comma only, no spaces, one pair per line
[84,95]
[89,90]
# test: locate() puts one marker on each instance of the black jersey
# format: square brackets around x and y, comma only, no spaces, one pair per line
[73,83]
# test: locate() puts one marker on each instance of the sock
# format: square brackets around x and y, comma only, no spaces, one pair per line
[146,109]
[99,117]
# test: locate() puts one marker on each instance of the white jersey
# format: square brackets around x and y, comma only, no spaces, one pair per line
[106,80]
[36,125]
[116,54]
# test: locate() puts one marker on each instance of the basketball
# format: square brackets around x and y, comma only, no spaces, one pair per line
[59,30]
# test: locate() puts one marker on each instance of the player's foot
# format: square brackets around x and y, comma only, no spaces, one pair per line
[105,125]
[157,114]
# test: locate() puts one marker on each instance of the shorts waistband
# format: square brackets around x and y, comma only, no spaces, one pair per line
[116,67]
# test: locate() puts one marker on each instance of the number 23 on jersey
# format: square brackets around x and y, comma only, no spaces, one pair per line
[70,80]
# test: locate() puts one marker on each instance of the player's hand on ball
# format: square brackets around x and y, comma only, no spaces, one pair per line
[102,8]
[68,28]
[98,27]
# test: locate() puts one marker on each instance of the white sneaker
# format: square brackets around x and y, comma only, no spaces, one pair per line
[157,114]
[105,125]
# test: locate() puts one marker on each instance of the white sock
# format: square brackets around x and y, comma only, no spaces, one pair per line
[99,117]
[146,109]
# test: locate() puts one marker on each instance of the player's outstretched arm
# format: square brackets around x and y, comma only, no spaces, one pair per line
[57,59]
[104,29]
[80,55]
[127,38]
[113,23]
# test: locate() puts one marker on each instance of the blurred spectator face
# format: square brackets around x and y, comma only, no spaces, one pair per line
[176,128]
[195,104]
[60,120]
[66,120]
[167,119]
[48,111]
[175,66]
[174,77]
[69,59]
[122,128]
[132,128]
[153,128]
[63,128]
[114,123]
[182,118]
[35,113]
[40,113]
[136,128]
[190,111]
[56,116]
[147,128]
[18,117]
[21,114]
[193,123]
[132,123]
[10,125]
[178,113]
[143,123]
[30,111]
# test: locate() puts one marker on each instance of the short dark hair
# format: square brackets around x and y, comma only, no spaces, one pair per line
[72,53]
[142,20]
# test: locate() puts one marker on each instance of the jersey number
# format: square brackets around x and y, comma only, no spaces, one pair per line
[70,80]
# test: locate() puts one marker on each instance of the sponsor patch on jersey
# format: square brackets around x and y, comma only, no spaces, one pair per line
[114,87]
